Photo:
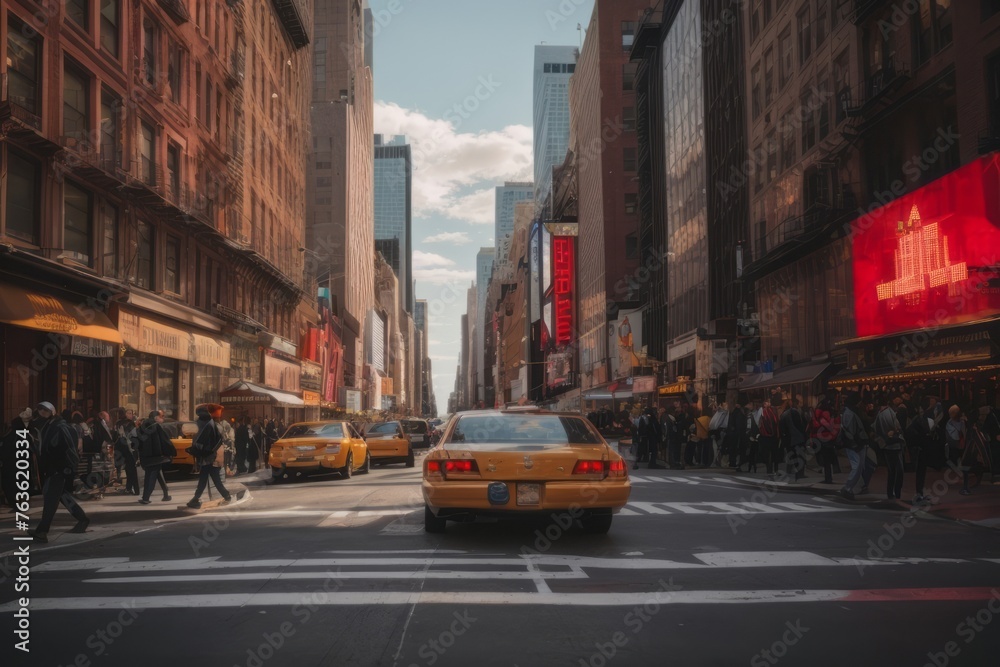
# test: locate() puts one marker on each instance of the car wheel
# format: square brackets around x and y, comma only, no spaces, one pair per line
[366,468]
[596,524]
[348,469]
[433,524]
[410,461]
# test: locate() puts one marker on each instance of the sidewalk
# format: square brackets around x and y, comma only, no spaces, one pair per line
[101,512]
[981,508]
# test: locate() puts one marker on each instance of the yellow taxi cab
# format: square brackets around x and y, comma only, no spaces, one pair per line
[181,434]
[517,463]
[330,446]
[388,443]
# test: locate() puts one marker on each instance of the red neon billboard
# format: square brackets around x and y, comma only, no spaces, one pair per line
[562,288]
[932,257]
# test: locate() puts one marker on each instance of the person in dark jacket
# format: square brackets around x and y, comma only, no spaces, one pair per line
[736,436]
[270,437]
[242,437]
[155,449]
[792,426]
[58,460]
[254,446]
[8,454]
[214,459]
[123,452]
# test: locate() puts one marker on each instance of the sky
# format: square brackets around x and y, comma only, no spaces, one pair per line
[455,76]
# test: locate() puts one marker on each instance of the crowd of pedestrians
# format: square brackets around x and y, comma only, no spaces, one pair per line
[71,457]
[896,429]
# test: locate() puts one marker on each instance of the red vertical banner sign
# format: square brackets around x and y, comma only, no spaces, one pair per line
[562,288]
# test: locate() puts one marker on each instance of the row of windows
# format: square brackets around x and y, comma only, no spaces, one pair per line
[558,68]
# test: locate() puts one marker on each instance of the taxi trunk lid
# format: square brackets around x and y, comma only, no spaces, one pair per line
[542,463]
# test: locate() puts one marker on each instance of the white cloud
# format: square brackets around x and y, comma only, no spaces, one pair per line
[455,238]
[425,260]
[448,163]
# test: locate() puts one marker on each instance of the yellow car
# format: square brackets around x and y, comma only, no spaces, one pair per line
[319,447]
[181,434]
[388,443]
[517,463]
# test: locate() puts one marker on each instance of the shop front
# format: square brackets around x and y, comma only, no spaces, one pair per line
[55,349]
[281,371]
[254,401]
[927,291]
[168,368]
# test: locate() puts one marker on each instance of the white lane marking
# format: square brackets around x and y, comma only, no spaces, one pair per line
[765,559]
[663,480]
[402,551]
[741,507]
[533,573]
[707,560]
[369,598]
[625,511]
[86,564]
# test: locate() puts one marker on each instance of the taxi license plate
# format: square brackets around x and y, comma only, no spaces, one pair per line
[304,458]
[529,494]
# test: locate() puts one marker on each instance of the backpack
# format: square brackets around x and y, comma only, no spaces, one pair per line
[768,423]
[206,443]
[144,444]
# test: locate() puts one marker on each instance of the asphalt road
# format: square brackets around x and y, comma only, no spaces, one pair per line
[700,569]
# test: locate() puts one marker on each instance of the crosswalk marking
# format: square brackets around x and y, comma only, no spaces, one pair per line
[631,599]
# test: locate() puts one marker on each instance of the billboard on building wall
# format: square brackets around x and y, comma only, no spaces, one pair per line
[931,258]
[625,342]
[563,279]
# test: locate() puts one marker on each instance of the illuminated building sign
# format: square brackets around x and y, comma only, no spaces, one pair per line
[930,258]
[562,288]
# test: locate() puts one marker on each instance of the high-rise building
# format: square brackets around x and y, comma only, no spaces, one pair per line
[393,188]
[507,196]
[483,366]
[340,205]
[553,67]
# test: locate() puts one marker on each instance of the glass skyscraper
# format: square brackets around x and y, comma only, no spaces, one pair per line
[393,221]
[553,67]
[507,196]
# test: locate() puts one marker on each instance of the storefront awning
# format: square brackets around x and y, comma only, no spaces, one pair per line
[243,393]
[926,372]
[784,377]
[32,310]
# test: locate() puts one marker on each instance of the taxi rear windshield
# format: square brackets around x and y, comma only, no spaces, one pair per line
[510,429]
[387,427]
[414,427]
[314,431]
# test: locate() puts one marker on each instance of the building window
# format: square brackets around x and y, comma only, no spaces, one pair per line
[197,92]
[932,28]
[772,156]
[824,101]
[76,121]
[76,11]
[174,71]
[628,119]
[24,181]
[110,129]
[143,271]
[628,34]
[172,265]
[149,50]
[990,7]
[842,84]
[174,169]
[822,18]
[628,76]
[788,154]
[768,11]
[768,77]
[631,246]
[758,170]
[23,66]
[755,83]
[785,56]
[631,202]
[628,159]
[109,240]
[993,93]
[755,11]
[805,34]
[109,26]
[77,222]
[808,122]
[147,151]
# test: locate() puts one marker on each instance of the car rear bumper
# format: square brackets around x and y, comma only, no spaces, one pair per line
[388,453]
[324,462]
[471,496]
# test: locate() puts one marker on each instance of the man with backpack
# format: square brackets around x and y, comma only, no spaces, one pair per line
[155,449]
[208,449]
[58,459]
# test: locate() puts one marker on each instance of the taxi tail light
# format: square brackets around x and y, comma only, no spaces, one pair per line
[590,468]
[618,469]
[461,466]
